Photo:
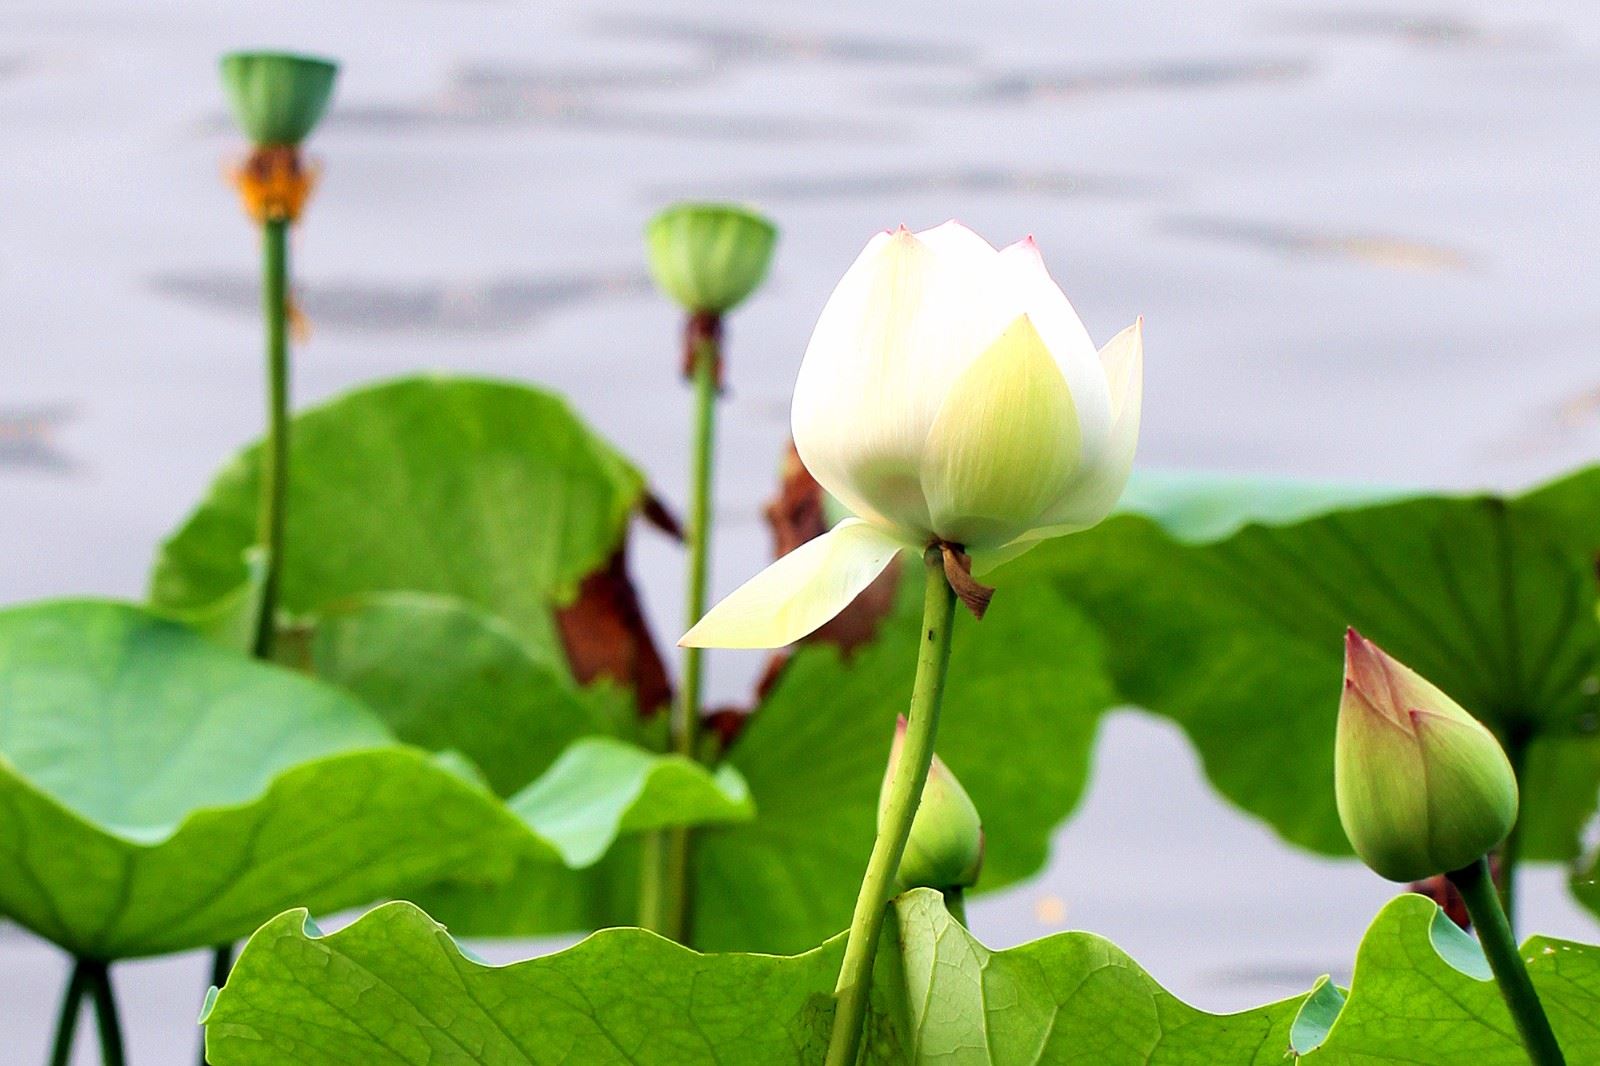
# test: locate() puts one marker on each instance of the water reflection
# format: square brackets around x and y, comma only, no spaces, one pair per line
[1427,30]
[26,438]
[442,307]
[725,45]
[957,181]
[1374,249]
[1042,87]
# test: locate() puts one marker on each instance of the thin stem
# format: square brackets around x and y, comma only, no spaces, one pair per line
[98,977]
[666,893]
[955,902]
[275,452]
[1494,933]
[67,1020]
[1516,746]
[894,828]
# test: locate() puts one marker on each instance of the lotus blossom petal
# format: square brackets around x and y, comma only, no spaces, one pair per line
[1004,442]
[799,592]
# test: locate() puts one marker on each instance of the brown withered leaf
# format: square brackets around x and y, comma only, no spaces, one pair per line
[605,635]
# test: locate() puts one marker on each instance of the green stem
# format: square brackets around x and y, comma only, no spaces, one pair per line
[894,828]
[97,975]
[1516,746]
[275,451]
[67,1020]
[1494,933]
[666,893]
[955,902]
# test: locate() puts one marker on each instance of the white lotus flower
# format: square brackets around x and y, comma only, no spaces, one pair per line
[949,395]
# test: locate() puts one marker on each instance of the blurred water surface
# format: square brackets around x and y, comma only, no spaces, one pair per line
[1361,234]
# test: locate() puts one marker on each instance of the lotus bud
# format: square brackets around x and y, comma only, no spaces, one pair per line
[277,97]
[710,257]
[945,850]
[1423,788]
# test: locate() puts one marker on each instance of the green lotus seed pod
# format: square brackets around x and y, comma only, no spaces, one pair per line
[278,97]
[1423,788]
[945,849]
[709,257]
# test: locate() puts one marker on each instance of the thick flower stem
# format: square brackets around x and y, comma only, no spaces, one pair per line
[97,979]
[1494,933]
[894,828]
[275,451]
[270,518]
[666,893]
[67,1019]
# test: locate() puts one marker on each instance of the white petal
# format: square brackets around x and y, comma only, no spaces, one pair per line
[1098,485]
[1037,295]
[1005,443]
[799,592]
[953,240]
[905,321]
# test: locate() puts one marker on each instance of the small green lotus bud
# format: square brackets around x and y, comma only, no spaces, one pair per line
[710,257]
[277,97]
[945,850]
[1423,787]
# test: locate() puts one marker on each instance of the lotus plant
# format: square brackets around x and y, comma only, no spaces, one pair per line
[1423,788]
[953,401]
[709,258]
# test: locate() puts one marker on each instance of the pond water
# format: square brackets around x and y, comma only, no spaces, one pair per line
[1361,236]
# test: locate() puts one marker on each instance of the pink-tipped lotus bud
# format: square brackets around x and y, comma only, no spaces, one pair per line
[945,850]
[1423,787]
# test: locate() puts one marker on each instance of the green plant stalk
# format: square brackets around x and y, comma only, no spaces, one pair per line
[270,521]
[1510,972]
[275,452]
[666,896]
[67,1020]
[894,828]
[97,977]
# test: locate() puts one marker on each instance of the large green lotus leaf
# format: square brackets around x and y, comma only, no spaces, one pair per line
[488,491]
[1194,506]
[1069,998]
[1021,710]
[1238,639]
[1422,994]
[446,675]
[158,792]
[393,988]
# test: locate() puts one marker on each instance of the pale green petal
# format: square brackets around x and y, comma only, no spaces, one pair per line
[799,592]
[1004,444]
[1095,488]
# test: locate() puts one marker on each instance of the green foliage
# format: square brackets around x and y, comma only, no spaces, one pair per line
[489,492]
[394,988]
[161,793]
[1018,726]
[1238,638]
[446,675]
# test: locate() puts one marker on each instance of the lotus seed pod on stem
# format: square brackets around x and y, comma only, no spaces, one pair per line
[710,257]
